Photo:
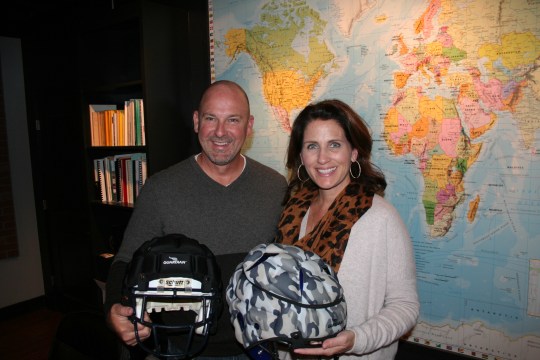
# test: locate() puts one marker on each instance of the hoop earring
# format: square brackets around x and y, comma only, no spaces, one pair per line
[298,174]
[359,170]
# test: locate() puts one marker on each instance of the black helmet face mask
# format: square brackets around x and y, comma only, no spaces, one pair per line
[177,282]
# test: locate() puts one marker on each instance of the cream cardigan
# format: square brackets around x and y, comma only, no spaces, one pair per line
[378,276]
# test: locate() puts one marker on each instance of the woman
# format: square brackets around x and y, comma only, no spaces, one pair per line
[335,209]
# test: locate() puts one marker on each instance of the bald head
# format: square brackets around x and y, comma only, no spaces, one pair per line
[231,85]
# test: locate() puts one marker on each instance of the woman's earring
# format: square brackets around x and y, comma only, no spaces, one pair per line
[298,174]
[359,170]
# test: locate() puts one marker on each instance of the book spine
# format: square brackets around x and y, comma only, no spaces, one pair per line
[130,181]
[143,130]
[98,163]
[124,180]
[107,176]
[138,177]
[118,180]
[112,167]
[138,139]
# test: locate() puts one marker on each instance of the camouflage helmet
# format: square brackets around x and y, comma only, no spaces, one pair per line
[281,293]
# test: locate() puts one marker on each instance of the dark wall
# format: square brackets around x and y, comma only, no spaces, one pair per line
[50,33]
[48,38]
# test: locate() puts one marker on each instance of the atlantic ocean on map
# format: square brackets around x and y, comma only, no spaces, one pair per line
[451,92]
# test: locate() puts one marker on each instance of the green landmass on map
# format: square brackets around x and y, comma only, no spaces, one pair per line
[288,75]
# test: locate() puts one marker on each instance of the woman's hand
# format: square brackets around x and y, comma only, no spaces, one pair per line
[343,342]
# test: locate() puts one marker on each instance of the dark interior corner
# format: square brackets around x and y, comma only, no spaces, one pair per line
[67,56]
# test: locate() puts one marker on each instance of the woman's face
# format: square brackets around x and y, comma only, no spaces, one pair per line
[327,155]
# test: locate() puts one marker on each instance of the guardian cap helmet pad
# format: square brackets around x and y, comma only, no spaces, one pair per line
[284,294]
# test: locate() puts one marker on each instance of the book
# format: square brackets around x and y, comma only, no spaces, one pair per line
[97,123]
[129,182]
[108,181]
[139,178]
[121,185]
[113,178]
[109,127]
[119,178]
[123,180]
[121,120]
[139,173]
[143,130]
[100,179]
[137,116]
[128,113]
[117,127]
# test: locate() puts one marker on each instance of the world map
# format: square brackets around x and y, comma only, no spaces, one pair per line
[451,92]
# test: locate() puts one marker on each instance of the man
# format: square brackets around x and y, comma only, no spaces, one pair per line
[219,197]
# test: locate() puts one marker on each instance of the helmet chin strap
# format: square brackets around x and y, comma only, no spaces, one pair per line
[268,350]
[264,351]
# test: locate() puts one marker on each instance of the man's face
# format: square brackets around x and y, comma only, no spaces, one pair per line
[222,123]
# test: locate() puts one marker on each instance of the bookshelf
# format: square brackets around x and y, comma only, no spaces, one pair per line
[155,51]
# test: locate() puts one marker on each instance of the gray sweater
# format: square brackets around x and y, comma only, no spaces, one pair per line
[183,199]
[228,219]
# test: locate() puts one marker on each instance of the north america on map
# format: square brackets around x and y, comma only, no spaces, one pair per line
[451,92]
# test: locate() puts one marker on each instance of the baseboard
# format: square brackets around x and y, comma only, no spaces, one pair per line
[22,307]
[412,351]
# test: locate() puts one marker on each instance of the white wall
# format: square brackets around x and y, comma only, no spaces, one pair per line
[21,278]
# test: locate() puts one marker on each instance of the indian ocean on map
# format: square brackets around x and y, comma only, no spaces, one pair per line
[451,91]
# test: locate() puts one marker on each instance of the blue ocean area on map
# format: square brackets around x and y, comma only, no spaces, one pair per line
[478,271]
[471,201]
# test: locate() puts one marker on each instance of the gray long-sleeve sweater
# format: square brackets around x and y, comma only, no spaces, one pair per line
[230,220]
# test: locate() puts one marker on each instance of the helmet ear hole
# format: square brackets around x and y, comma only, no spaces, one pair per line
[326,269]
[177,281]
[240,320]
[283,294]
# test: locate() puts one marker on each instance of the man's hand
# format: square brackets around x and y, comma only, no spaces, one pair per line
[344,341]
[118,319]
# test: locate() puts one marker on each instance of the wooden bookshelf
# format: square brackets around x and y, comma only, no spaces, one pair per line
[153,50]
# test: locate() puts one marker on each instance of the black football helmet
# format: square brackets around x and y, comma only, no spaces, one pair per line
[177,281]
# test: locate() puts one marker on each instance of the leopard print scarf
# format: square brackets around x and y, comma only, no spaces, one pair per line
[329,237]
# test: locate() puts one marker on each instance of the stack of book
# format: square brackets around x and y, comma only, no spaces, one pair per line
[119,178]
[110,126]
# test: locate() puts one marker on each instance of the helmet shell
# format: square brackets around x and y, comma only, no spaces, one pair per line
[285,294]
[177,281]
